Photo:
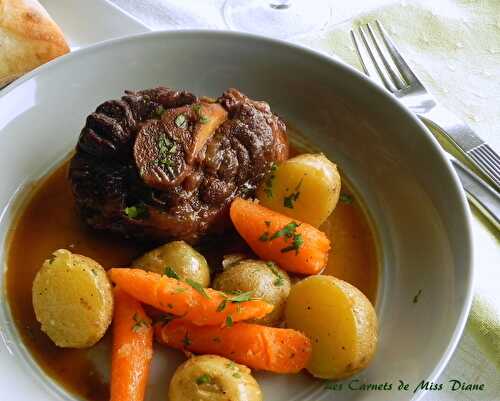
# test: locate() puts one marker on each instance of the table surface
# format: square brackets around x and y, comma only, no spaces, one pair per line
[471,89]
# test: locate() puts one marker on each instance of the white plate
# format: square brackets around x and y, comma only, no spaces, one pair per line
[419,210]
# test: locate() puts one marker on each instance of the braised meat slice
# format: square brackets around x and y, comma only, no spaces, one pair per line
[162,164]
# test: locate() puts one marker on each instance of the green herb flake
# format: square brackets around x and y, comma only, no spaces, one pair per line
[288,231]
[198,287]
[279,281]
[297,242]
[181,121]
[166,148]
[417,296]
[186,341]
[241,297]
[165,319]
[203,379]
[346,198]
[201,117]
[264,237]
[138,323]
[180,289]
[136,212]
[289,200]
[236,375]
[222,305]
[268,183]
[159,111]
[229,321]
[169,272]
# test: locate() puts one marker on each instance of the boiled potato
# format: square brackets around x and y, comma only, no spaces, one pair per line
[265,279]
[72,299]
[213,378]
[305,187]
[339,320]
[185,261]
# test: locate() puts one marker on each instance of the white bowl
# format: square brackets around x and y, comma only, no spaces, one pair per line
[413,196]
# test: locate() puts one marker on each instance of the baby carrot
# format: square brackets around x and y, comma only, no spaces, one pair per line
[202,306]
[297,247]
[258,347]
[132,349]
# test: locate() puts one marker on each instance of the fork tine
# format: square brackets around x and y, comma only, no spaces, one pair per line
[358,52]
[374,61]
[399,61]
[396,80]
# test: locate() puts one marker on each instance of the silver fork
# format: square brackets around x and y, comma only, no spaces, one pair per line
[398,78]
[394,73]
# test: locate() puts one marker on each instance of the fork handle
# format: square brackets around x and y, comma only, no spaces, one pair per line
[478,192]
[476,151]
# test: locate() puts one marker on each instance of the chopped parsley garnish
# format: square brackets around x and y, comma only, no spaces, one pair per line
[169,272]
[165,319]
[346,198]
[203,379]
[198,287]
[417,296]
[268,183]
[166,148]
[222,305]
[138,323]
[236,375]
[136,212]
[241,297]
[201,117]
[186,341]
[289,232]
[264,237]
[290,199]
[297,242]
[181,121]
[236,298]
[229,321]
[278,282]
[159,111]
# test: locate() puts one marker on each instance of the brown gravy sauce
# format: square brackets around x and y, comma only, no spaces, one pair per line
[49,221]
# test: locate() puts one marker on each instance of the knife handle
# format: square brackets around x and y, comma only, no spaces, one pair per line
[477,152]
[479,192]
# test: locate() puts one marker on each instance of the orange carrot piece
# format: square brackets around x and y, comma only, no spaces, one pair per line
[202,306]
[132,349]
[296,246]
[258,347]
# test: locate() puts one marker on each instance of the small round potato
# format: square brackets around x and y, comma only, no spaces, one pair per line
[265,279]
[213,378]
[299,183]
[339,320]
[185,261]
[72,299]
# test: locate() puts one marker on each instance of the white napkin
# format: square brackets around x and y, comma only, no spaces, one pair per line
[175,14]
